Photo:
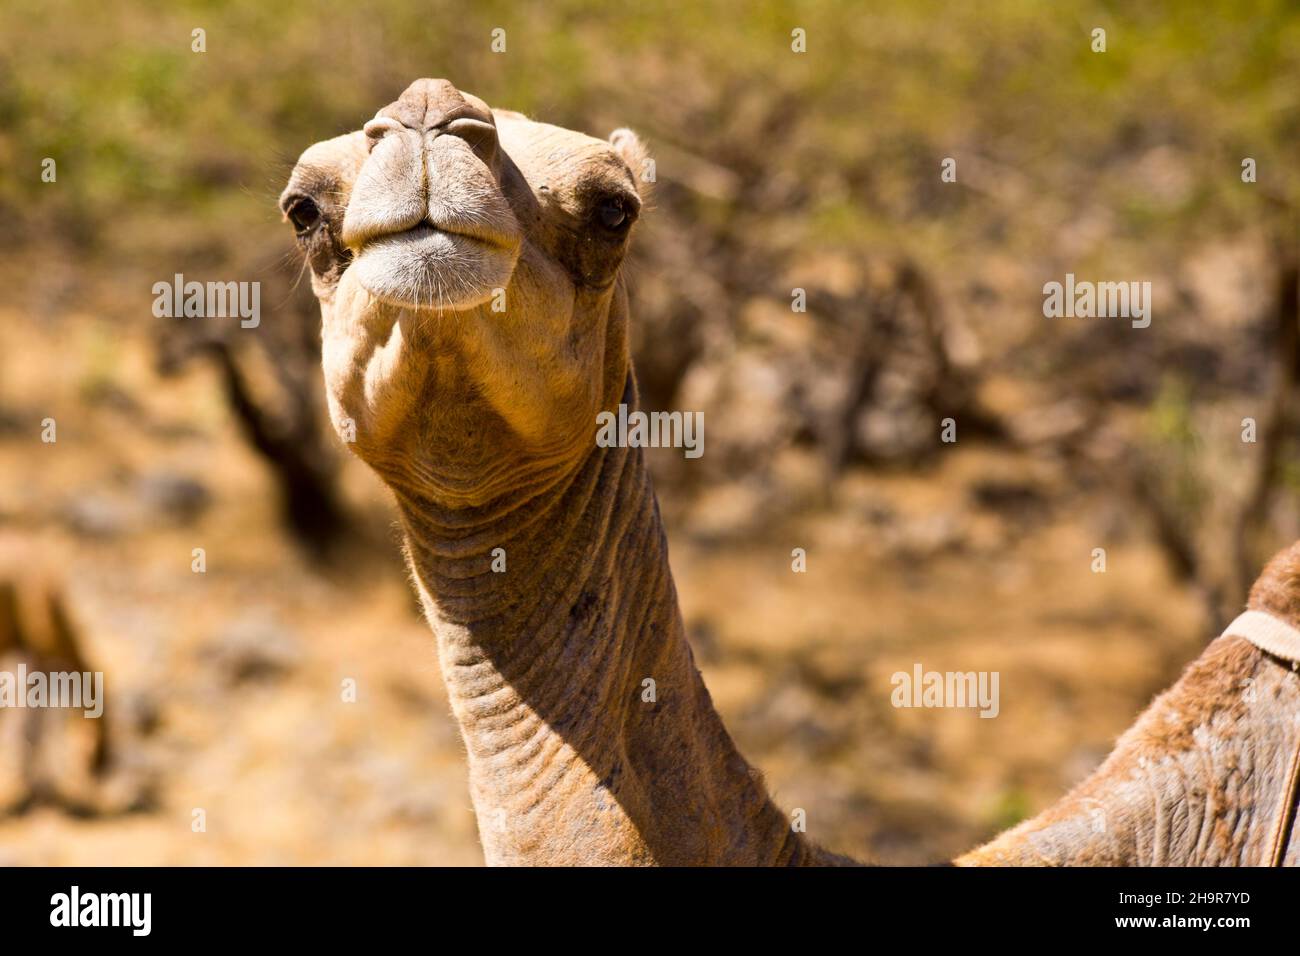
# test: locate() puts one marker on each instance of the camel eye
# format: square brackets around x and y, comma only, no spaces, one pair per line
[304,214]
[612,214]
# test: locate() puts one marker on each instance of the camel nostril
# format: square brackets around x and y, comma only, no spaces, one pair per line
[377,127]
[481,136]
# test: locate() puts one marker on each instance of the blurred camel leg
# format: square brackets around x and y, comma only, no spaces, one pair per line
[36,629]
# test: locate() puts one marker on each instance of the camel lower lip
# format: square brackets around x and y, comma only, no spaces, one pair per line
[428,267]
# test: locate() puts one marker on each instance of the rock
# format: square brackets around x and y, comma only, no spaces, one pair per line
[177,497]
[253,648]
[97,516]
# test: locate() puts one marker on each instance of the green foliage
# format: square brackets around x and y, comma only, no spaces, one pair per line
[1013,806]
[1171,420]
[140,125]
[1176,442]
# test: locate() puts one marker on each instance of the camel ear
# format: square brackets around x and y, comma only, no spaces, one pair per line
[629,146]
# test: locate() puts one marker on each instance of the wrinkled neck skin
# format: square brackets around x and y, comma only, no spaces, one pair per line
[546,667]
[574,758]
[1200,780]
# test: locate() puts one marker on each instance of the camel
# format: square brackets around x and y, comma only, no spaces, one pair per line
[467,262]
[37,631]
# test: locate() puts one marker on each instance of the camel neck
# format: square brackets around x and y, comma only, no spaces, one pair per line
[591,736]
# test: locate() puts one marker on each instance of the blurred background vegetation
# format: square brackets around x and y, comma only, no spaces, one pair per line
[777,171]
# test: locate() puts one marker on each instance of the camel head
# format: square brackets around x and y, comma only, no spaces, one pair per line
[468,266]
